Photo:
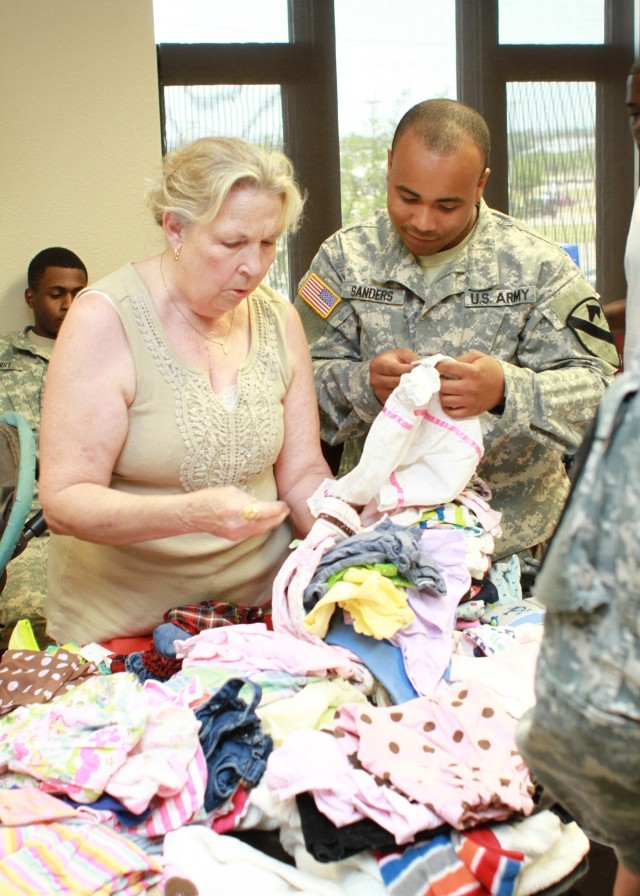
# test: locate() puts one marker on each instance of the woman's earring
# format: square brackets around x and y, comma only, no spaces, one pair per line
[176,253]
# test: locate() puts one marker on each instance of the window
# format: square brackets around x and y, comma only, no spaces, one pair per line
[329,80]
[207,22]
[386,63]
[552,163]
[238,81]
[557,118]
[548,22]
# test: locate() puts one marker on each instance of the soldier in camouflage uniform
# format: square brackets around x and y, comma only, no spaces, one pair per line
[582,739]
[439,271]
[54,278]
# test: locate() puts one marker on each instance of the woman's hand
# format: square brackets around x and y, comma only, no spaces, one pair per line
[230,513]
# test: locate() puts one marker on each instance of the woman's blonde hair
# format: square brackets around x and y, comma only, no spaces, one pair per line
[197,178]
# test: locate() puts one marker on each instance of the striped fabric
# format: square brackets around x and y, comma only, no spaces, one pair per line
[171,812]
[78,859]
[452,865]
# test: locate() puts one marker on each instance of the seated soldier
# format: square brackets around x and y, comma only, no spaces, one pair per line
[54,277]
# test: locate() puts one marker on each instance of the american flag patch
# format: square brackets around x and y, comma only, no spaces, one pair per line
[319,296]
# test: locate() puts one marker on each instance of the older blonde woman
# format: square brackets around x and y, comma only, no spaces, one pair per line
[179,430]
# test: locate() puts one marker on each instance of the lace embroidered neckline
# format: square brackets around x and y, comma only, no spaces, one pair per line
[224,445]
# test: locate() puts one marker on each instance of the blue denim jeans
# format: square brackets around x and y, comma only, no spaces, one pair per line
[165,634]
[235,749]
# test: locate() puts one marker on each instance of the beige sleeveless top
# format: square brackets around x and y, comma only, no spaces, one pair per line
[181,437]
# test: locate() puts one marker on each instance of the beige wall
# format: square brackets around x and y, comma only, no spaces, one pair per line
[80,134]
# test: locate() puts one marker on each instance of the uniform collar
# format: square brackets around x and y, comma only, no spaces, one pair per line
[477,262]
[28,341]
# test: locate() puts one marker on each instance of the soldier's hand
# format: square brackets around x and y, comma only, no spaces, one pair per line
[470,384]
[386,369]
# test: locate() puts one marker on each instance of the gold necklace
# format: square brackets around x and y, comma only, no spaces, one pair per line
[221,342]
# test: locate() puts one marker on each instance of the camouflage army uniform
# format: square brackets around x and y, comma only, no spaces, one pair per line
[582,740]
[23,366]
[509,293]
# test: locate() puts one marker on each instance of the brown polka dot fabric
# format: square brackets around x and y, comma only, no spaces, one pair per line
[33,676]
[454,750]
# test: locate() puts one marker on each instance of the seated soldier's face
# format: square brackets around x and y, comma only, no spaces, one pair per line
[52,298]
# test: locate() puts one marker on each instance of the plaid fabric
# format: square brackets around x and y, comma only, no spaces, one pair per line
[191,618]
[194,618]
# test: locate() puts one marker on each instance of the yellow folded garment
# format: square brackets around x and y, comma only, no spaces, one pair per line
[22,637]
[377,607]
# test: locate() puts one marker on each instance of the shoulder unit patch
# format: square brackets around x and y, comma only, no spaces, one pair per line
[589,325]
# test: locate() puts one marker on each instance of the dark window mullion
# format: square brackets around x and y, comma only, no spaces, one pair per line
[191,64]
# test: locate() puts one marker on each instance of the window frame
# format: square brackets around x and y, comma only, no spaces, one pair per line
[485,67]
[306,70]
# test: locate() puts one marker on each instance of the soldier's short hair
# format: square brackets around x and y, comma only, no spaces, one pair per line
[443,123]
[53,257]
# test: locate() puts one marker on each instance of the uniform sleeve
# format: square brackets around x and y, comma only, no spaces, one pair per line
[21,383]
[565,361]
[7,376]
[346,401]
